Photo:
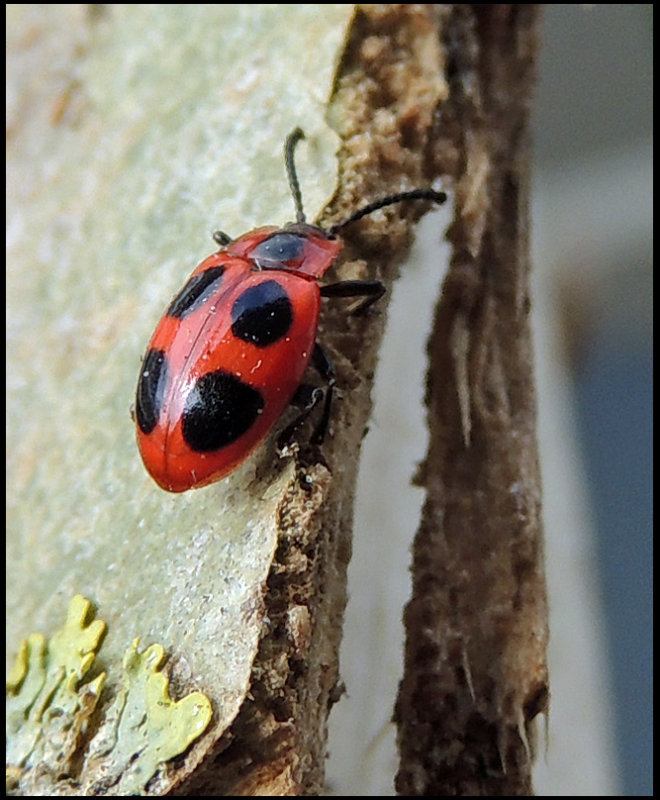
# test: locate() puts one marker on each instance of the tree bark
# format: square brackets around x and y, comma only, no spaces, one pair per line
[475,669]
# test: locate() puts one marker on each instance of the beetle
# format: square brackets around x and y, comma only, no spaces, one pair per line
[229,354]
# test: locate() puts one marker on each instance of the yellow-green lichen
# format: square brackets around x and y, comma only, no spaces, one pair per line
[49,707]
[147,727]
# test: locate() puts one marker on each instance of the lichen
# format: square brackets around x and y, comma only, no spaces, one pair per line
[49,706]
[147,727]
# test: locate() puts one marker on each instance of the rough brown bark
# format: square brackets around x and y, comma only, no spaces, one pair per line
[475,670]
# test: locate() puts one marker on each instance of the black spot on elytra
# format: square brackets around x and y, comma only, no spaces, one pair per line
[151,387]
[262,314]
[196,292]
[219,410]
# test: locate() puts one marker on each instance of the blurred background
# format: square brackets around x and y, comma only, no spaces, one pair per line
[593,248]
[592,254]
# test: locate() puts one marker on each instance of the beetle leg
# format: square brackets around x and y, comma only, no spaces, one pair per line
[307,397]
[371,291]
[326,370]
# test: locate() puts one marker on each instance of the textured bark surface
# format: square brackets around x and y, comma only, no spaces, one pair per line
[475,671]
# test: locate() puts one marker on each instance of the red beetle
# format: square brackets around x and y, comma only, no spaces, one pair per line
[228,356]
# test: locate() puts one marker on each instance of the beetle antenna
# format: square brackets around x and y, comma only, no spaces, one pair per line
[289,146]
[414,194]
